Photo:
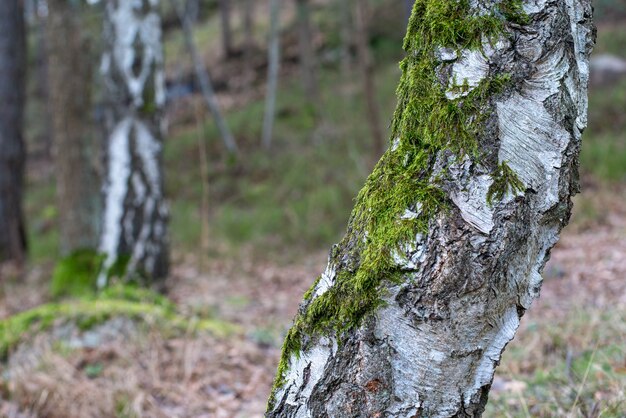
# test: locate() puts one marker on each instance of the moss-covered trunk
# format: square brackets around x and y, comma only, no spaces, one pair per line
[134,225]
[447,241]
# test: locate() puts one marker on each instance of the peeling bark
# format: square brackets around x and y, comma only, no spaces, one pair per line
[135,215]
[460,287]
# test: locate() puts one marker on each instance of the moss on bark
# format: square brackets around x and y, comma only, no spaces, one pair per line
[426,123]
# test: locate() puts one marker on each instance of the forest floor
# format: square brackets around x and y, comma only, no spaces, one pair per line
[271,217]
[568,359]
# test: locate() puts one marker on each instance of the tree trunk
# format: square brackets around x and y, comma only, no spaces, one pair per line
[135,215]
[204,80]
[249,44]
[448,238]
[345,32]
[307,52]
[12,148]
[272,73]
[248,25]
[70,76]
[366,63]
[227,31]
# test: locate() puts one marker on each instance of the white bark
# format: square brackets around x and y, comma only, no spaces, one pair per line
[431,350]
[135,215]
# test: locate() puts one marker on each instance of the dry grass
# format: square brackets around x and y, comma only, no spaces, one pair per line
[568,360]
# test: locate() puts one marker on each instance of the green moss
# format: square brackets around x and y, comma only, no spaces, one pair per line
[75,275]
[425,123]
[137,304]
[504,180]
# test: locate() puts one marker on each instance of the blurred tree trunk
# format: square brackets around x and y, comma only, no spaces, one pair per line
[43,88]
[345,31]
[192,10]
[272,73]
[135,214]
[248,27]
[205,82]
[227,30]
[447,241]
[307,52]
[366,63]
[12,148]
[248,23]
[70,77]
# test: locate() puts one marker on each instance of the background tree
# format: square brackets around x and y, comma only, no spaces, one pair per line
[202,75]
[446,244]
[70,79]
[135,215]
[366,64]
[272,73]
[12,148]
[307,51]
[227,30]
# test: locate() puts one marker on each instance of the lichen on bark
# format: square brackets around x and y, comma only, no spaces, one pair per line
[445,210]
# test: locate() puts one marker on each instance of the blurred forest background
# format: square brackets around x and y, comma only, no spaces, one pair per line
[251,223]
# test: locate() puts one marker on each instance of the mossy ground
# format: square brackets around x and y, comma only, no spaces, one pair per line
[87,312]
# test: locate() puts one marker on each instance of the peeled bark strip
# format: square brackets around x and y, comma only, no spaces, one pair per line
[12,147]
[446,244]
[135,215]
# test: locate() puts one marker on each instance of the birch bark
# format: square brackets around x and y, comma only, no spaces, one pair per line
[448,239]
[135,214]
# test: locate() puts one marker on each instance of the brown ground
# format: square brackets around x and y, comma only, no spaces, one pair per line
[155,374]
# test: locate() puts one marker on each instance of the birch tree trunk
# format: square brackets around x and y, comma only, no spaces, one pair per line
[135,214]
[12,148]
[70,77]
[446,245]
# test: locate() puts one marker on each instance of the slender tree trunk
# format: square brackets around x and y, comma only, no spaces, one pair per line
[249,44]
[346,31]
[227,31]
[135,213]
[205,82]
[12,148]
[248,24]
[366,63]
[272,73]
[307,52]
[446,244]
[70,76]
[43,88]
[192,10]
